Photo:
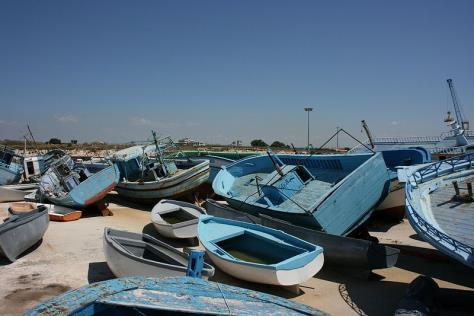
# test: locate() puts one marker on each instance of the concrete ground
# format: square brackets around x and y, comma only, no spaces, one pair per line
[70,255]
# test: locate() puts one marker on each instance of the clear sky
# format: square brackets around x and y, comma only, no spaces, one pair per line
[224,70]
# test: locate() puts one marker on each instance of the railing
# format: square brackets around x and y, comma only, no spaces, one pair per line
[430,230]
[443,167]
[408,139]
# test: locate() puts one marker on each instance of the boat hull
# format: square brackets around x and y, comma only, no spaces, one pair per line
[186,228]
[343,206]
[269,276]
[9,176]
[180,295]
[17,192]
[124,263]
[174,186]
[18,238]
[90,191]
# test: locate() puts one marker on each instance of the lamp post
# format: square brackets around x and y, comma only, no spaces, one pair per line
[308,109]
[337,137]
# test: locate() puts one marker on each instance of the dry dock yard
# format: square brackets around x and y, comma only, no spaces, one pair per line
[70,255]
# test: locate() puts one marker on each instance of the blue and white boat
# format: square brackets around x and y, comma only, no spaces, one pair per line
[168,296]
[331,193]
[10,166]
[440,206]
[72,185]
[147,175]
[257,253]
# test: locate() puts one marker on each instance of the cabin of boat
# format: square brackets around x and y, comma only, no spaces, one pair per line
[10,166]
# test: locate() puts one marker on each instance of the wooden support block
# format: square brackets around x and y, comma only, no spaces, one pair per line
[456,187]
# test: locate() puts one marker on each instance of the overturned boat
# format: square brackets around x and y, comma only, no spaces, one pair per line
[132,254]
[257,253]
[339,251]
[19,232]
[331,193]
[147,175]
[168,296]
[440,206]
[72,185]
[176,219]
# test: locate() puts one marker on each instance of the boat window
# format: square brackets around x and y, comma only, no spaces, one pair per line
[30,167]
[303,173]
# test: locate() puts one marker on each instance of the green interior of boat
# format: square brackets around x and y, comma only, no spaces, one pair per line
[252,248]
[177,216]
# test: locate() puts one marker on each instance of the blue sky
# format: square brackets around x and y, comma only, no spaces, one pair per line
[224,70]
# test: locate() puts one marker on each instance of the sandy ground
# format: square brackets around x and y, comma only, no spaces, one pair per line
[70,255]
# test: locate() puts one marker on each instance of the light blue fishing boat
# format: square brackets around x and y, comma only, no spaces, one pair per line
[332,193]
[10,166]
[68,184]
[257,253]
[168,296]
[440,206]
[147,174]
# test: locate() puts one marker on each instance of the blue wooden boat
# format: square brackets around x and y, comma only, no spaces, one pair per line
[178,295]
[440,206]
[331,193]
[147,175]
[339,251]
[72,185]
[10,166]
[257,253]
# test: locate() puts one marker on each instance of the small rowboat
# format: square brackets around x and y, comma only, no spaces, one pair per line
[56,213]
[19,232]
[170,296]
[258,254]
[133,254]
[176,219]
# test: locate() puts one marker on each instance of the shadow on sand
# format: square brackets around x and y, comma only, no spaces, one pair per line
[99,271]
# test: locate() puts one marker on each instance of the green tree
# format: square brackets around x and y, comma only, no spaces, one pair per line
[55,141]
[278,144]
[258,143]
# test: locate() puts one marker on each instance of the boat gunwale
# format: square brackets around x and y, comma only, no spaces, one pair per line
[208,270]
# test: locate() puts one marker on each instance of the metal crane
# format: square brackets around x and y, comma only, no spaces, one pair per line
[457,108]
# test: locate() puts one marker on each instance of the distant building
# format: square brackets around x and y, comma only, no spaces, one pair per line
[237,143]
[190,142]
[74,141]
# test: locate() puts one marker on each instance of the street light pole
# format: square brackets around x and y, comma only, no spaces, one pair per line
[308,109]
[337,137]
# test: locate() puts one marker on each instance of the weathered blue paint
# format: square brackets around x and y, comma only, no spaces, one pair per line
[173,295]
[291,252]
[332,193]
